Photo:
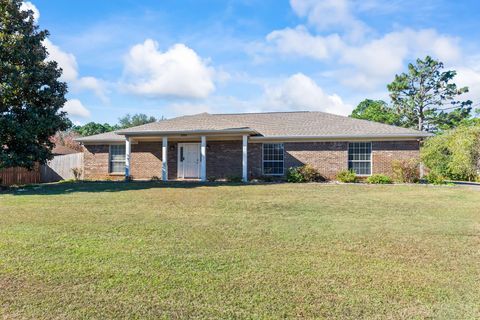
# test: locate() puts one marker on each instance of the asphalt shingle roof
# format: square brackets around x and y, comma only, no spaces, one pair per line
[102,137]
[273,124]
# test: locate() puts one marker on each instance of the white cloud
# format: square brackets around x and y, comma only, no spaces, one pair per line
[369,63]
[93,84]
[295,93]
[65,60]
[330,14]
[300,42]
[361,59]
[27,5]
[300,92]
[469,75]
[74,107]
[377,61]
[178,72]
[70,74]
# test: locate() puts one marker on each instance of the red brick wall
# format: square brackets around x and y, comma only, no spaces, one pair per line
[255,160]
[146,160]
[384,152]
[327,157]
[224,158]
[95,162]
[331,157]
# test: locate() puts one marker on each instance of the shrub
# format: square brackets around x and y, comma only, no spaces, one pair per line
[77,173]
[234,179]
[379,179]
[294,175]
[407,171]
[347,176]
[154,178]
[434,178]
[454,154]
[212,179]
[305,173]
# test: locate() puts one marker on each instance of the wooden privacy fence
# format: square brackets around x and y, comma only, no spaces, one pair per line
[61,167]
[17,175]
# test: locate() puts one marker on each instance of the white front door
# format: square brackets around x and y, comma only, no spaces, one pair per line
[189,160]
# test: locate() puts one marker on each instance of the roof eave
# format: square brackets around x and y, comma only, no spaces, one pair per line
[181,132]
[88,139]
[349,136]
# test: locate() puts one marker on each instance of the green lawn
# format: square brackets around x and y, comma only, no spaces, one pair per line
[144,250]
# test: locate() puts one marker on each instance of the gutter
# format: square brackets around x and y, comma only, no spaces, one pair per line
[345,136]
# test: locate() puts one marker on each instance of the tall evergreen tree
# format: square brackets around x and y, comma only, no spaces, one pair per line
[31,94]
[426,98]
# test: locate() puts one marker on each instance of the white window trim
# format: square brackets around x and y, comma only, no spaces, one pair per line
[110,159]
[263,160]
[371,157]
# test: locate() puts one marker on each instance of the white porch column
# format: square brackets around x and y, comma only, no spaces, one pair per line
[128,145]
[203,159]
[245,159]
[164,159]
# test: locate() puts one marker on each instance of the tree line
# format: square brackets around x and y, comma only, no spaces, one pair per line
[126,121]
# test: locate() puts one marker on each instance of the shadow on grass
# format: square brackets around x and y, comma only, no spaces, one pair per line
[111,186]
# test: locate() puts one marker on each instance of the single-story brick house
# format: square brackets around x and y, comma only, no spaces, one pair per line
[248,145]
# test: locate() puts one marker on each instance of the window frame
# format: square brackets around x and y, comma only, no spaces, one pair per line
[110,171]
[370,161]
[282,161]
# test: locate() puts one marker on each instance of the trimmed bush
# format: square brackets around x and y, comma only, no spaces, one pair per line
[379,179]
[294,175]
[434,178]
[406,171]
[234,179]
[305,173]
[347,176]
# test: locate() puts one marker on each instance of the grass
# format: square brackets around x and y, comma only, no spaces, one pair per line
[146,250]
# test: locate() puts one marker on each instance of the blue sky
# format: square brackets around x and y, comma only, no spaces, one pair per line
[168,58]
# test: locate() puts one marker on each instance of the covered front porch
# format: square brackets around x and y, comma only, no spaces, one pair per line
[187,156]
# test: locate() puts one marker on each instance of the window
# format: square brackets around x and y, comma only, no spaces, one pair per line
[360,157]
[117,158]
[273,158]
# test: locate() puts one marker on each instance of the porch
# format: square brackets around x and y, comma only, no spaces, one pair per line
[187,157]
